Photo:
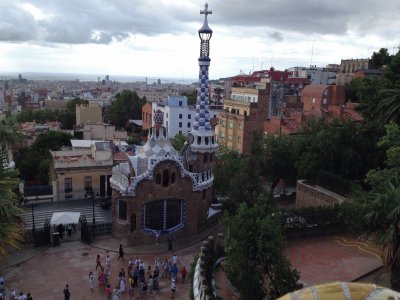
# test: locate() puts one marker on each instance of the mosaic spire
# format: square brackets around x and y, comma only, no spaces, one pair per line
[202,117]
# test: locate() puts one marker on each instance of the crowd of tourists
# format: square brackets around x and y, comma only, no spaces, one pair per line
[138,280]
[13,295]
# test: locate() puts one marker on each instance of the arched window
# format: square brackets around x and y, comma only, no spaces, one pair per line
[172,177]
[206,140]
[122,210]
[133,223]
[165,178]
[158,178]
[198,140]
[162,215]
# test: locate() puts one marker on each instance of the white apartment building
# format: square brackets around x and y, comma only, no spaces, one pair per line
[317,75]
[178,115]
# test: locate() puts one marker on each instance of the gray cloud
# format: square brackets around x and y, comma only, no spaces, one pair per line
[16,25]
[104,21]
[276,36]
[307,16]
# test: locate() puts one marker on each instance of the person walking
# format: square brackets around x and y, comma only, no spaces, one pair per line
[121,252]
[173,288]
[165,268]
[175,259]
[183,273]
[108,261]
[116,293]
[98,261]
[108,292]
[29,296]
[91,281]
[13,295]
[67,293]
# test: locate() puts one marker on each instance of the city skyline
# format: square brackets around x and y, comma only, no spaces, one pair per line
[159,37]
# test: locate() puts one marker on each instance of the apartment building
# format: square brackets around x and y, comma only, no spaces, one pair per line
[243,114]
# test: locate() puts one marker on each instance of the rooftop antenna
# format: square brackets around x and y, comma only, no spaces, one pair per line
[312,53]
[272,56]
[253,65]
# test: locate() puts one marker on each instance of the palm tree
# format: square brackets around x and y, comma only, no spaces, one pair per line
[10,226]
[389,107]
[383,223]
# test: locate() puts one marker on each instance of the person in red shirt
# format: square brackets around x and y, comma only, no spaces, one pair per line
[108,292]
[183,273]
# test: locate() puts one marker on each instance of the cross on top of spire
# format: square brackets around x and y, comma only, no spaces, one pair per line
[206,11]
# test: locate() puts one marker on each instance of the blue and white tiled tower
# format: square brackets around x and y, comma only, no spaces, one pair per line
[201,138]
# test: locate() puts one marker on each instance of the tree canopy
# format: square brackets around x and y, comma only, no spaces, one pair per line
[380,58]
[127,105]
[256,264]
[34,161]
[10,226]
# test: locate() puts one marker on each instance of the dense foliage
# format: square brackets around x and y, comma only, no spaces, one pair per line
[10,226]
[127,105]
[67,118]
[256,263]
[34,161]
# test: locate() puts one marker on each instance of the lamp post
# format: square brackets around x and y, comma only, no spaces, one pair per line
[91,192]
[33,221]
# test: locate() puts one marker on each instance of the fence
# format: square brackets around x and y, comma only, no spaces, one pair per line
[101,229]
[38,237]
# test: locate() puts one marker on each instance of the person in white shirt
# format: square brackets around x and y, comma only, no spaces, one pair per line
[175,259]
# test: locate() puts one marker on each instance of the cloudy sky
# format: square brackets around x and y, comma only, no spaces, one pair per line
[159,37]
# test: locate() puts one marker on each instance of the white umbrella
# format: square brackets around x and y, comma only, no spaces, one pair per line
[65,218]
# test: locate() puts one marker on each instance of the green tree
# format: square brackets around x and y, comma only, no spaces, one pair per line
[380,58]
[382,207]
[377,178]
[71,104]
[178,141]
[388,109]
[392,72]
[127,105]
[280,159]
[256,264]
[333,147]
[10,226]
[192,97]
[34,161]
[10,133]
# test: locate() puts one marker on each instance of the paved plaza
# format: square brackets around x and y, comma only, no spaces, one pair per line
[332,258]
[46,274]
[319,259]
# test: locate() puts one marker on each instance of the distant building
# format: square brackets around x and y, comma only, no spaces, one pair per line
[348,67]
[54,104]
[31,130]
[244,113]
[103,132]
[179,116]
[147,116]
[88,114]
[368,73]
[326,102]
[75,171]
[316,75]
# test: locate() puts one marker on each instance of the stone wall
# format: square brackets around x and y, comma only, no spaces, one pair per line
[208,252]
[314,195]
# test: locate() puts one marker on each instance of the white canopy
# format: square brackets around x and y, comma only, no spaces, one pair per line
[65,218]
